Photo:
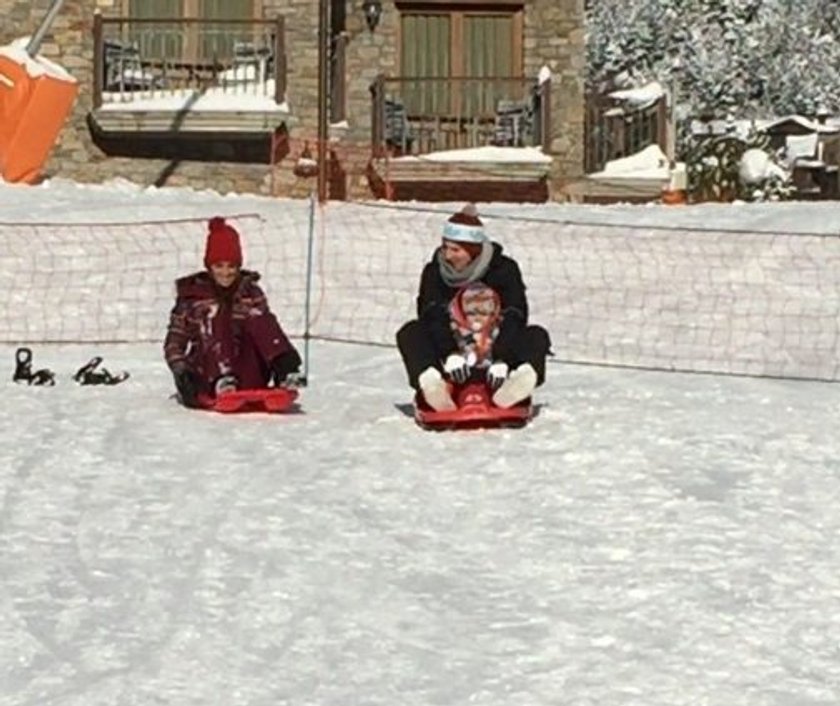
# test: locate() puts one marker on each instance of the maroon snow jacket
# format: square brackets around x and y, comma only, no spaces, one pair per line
[214,331]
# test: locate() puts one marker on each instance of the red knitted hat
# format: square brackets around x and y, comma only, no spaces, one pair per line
[222,243]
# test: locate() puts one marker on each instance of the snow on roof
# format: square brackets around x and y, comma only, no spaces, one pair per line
[806,123]
[35,66]
[800,146]
[640,97]
[483,154]
[736,128]
[210,100]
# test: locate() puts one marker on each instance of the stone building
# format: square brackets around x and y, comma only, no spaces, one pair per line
[407,78]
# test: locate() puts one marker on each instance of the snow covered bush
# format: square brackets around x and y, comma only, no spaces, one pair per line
[729,167]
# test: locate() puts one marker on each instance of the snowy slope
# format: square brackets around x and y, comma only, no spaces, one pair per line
[651,539]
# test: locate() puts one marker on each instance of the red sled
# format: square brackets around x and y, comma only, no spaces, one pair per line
[475,410]
[270,399]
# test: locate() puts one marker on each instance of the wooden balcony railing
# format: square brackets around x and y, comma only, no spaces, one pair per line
[137,59]
[611,132]
[419,115]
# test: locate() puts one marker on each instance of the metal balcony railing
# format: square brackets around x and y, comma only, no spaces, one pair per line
[138,59]
[419,115]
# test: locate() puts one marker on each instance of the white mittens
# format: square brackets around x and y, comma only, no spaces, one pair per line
[456,368]
[496,374]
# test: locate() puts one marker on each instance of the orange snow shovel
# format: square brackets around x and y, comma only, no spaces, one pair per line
[36,96]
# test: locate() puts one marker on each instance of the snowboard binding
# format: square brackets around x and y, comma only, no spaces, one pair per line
[23,370]
[89,375]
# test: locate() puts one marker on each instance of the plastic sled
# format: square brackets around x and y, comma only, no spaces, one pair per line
[475,410]
[271,399]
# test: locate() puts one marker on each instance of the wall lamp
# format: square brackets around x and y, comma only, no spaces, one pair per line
[373,12]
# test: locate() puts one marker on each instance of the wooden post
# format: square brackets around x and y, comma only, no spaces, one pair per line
[377,122]
[545,116]
[323,95]
[338,102]
[279,59]
[98,60]
[663,133]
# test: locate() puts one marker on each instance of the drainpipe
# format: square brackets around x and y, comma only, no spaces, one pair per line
[37,39]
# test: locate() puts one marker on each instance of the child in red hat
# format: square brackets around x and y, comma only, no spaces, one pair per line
[222,334]
[472,320]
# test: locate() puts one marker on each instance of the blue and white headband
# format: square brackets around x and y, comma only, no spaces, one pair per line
[463,233]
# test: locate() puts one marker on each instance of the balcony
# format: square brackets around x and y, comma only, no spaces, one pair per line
[188,77]
[466,130]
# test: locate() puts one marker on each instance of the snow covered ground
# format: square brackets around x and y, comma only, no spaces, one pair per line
[651,539]
[67,202]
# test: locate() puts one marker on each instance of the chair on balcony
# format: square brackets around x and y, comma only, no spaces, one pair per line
[398,133]
[124,70]
[252,63]
[514,123]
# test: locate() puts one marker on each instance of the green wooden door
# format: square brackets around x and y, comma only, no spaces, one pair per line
[424,57]
[467,48]
[488,52]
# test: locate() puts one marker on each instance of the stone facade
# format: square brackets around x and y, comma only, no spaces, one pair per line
[553,37]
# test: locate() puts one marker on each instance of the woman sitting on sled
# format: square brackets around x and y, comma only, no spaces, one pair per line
[222,335]
[472,321]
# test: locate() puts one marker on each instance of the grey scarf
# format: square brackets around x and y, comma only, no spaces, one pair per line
[471,273]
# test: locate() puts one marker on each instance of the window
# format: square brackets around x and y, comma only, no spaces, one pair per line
[458,56]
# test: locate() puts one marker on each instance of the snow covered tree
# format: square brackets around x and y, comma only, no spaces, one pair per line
[741,58]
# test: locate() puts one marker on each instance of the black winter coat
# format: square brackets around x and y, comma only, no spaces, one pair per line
[503,275]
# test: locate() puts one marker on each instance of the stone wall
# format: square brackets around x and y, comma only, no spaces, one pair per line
[554,37]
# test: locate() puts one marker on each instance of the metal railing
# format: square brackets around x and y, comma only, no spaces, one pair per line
[611,132]
[138,58]
[419,115]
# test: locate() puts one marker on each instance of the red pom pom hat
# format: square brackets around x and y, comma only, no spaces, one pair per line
[222,243]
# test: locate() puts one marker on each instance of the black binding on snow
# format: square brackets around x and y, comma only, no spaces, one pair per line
[23,370]
[89,375]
